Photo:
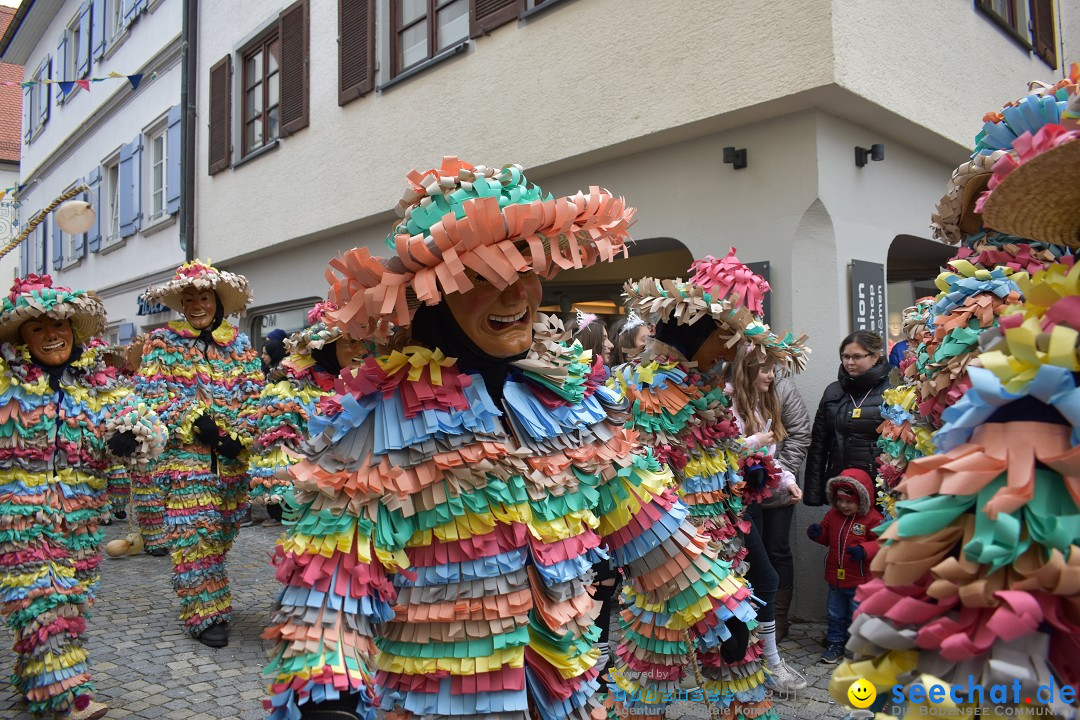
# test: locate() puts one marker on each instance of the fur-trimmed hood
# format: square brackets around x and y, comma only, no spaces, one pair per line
[859,481]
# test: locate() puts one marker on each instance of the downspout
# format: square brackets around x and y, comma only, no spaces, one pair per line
[189,43]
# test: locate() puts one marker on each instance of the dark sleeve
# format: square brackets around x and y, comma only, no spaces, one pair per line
[817,459]
[796,420]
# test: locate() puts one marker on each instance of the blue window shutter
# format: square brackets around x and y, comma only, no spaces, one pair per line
[127,199]
[97,29]
[61,60]
[172,172]
[131,9]
[93,237]
[45,94]
[27,250]
[57,241]
[143,4]
[136,179]
[84,42]
[126,333]
[42,241]
[27,121]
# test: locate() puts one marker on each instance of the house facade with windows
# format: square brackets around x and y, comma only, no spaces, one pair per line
[809,134]
[10,146]
[102,111]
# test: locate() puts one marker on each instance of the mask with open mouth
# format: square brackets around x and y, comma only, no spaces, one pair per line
[498,322]
[50,340]
[200,307]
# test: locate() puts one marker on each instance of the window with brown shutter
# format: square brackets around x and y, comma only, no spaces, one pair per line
[1010,16]
[486,15]
[293,30]
[261,104]
[219,144]
[1044,40]
[421,29]
[356,49]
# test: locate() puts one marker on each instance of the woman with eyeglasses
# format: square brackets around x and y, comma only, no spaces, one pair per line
[845,429]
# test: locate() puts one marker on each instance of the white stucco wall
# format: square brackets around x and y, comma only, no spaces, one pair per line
[54,160]
[939,64]
[9,264]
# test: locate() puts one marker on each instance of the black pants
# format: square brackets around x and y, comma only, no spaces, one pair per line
[605,594]
[274,511]
[776,534]
[761,574]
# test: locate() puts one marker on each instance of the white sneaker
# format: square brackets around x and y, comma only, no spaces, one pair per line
[784,679]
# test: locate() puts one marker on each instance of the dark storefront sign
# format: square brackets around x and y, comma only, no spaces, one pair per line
[868,296]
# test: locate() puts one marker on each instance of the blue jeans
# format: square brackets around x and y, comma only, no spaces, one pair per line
[841,606]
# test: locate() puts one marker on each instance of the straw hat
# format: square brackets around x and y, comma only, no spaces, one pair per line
[35,296]
[462,217]
[1038,195]
[232,289]
[317,334]
[955,217]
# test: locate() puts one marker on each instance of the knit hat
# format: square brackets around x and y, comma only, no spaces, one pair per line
[35,296]
[461,217]
[232,290]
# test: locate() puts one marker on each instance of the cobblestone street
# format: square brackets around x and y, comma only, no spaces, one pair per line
[145,666]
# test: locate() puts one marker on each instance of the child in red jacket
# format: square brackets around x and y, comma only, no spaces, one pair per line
[848,532]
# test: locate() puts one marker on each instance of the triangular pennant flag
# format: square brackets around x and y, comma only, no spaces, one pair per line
[135,80]
[2,194]
[114,74]
[66,86]
[84,84]
[28,83]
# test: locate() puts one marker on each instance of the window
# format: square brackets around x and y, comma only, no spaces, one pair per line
[158,174]
[424,28]
[36,101]
[71,62]
[111,196]
[114,19]
[272,90]
[262,92]
[1029,22]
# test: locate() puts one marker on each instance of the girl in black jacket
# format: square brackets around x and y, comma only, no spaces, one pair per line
[845,429]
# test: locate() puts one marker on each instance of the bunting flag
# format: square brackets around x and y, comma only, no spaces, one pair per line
[67,85]
[13,189]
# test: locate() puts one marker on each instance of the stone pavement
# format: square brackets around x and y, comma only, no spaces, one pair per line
[145,666]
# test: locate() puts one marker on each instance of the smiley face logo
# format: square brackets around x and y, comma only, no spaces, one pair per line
[861,694]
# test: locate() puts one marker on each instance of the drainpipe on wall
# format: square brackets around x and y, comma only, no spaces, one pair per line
[189,37]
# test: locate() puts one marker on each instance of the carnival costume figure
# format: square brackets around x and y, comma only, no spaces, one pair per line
[456,493]
[65,419]
[315,357]
[978,580]
[203,377]
[679,405]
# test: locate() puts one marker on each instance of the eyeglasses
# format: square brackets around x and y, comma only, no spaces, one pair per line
[854,358]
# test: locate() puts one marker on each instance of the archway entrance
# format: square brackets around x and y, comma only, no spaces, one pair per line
[913,265]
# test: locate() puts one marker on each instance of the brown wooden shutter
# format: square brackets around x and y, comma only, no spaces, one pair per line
[220,143]
[1042,31]
[293,31]
[486,15]
[356,49]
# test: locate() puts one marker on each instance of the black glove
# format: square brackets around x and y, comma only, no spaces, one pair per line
[206,431]
[230,447]
[814,531]
[756,476]
[857,553]
[733,650]
[123,444]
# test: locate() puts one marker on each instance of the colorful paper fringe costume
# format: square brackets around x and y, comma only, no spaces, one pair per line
[53,489]
[978,573]
[287,403]
[686,418]
[183,378]
[455,534]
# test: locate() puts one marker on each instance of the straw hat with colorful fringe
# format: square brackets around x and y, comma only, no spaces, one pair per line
[729,293]
[317,334]
[232,289]
[1036,194]
[35,296]
[460,218]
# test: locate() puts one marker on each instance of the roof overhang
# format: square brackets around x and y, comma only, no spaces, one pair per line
[27,28]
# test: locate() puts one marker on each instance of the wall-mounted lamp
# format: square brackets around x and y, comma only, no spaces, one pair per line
[874,152]
[736,158]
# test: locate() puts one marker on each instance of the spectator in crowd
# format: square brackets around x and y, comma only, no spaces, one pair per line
[273,351]
[589,330]
[848,530]
[845,431]
[630,334]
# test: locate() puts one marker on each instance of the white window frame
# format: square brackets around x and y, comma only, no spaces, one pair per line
[71,72]
[68,242]
[110,202]
[158,135]
[37,94]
